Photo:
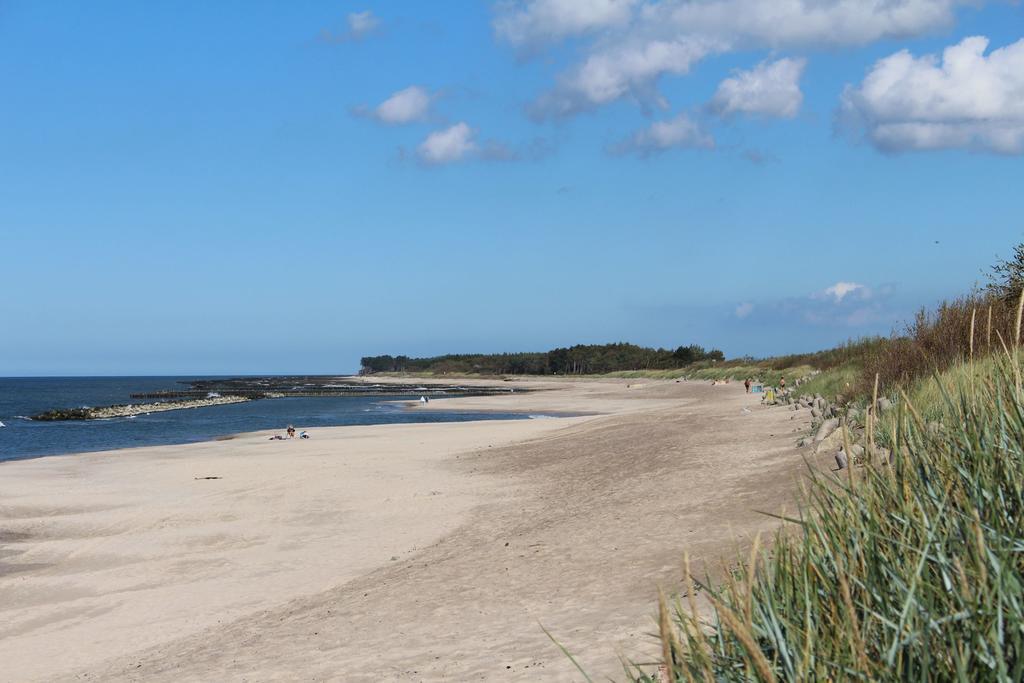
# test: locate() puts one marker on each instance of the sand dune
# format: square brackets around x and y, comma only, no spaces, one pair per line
[397,552]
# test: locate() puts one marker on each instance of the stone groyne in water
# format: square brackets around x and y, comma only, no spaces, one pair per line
[133,409]
[202,393]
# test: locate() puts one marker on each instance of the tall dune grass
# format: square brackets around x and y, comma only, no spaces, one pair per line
[905,570]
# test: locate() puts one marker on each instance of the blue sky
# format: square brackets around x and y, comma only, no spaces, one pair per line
[256,187]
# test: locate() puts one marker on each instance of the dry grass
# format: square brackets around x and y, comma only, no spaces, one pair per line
[972,326]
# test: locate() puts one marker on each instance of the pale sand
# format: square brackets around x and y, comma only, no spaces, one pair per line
[399,552]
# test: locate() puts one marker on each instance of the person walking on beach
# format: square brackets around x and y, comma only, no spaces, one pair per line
[746,384]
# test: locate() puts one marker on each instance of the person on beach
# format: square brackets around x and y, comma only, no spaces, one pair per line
[746,384]
[291,432]
[782,385]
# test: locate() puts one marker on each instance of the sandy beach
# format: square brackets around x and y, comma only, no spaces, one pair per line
[391,552]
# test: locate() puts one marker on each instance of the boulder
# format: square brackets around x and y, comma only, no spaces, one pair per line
[881,454]
[841,461]
[884,405]
[830,444]
[826,429]
[815,413]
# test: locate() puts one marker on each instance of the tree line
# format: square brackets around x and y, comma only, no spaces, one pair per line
[582,359]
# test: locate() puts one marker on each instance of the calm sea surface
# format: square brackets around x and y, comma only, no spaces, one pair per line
[23,438]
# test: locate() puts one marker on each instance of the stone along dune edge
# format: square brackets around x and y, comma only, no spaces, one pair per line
[397,552]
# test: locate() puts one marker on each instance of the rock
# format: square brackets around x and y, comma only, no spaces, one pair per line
[802,442]
[841,461]
[852,414]
[856,450]
[815,413]
[826,429]
[133,409]
[829,444]
[884,405]
[881,454]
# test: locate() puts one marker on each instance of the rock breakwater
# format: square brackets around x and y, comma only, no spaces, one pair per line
[133,409]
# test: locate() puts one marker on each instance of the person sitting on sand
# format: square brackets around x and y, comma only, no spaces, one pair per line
[291,432]
[782,385]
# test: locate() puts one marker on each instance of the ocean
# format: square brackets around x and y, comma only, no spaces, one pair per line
[22,438]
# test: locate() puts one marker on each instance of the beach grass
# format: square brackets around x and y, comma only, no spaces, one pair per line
[929,395]
[736,371]
[843,380]
[901,568]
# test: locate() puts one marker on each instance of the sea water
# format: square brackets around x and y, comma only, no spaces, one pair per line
[25,396]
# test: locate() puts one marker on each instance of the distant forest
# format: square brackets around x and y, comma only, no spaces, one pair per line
[576,360]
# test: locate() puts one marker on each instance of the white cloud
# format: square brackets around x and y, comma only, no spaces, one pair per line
[359,26]
[448,145]
[670,36]
[964,100]
[782,23]
[537,21]
[680,131]
[362,23]
[404,106]
[843,305]
[625,69]
[841,290]
[769,89]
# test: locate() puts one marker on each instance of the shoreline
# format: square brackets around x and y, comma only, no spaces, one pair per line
[185,439]
[307,558]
